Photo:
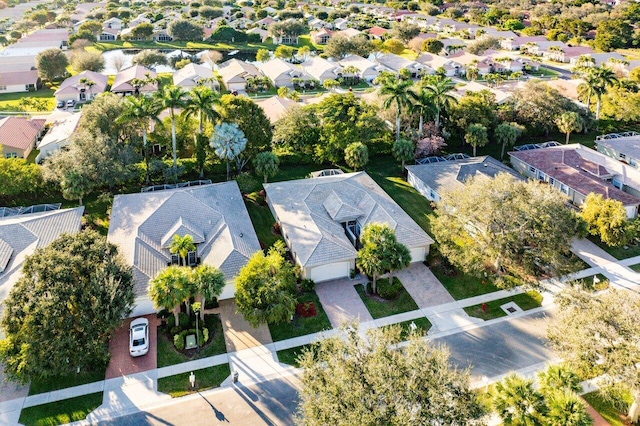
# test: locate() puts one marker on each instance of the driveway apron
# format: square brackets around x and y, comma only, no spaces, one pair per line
[341,301]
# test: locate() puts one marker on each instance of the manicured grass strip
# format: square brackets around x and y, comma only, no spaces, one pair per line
[302,326]
[526,301]
[635,267]
[262,219]
[605,408]
[61,412]
[167,354]
[617,252]
[379,308]
[290,356]
[10,101]
[206,378]
[61,382]
[423,325]
[462,286]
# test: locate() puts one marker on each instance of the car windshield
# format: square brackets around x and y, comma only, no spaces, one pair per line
[138,342]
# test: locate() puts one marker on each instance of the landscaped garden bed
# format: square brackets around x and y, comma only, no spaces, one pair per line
[492,310]
[206,378]
[607,409]
[398,299]
[171,339]
[595,282]
[304,322]
[422,326]
[624,252]
[61,412]
[290,356]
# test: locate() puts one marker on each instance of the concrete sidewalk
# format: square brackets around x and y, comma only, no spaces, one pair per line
[619,274]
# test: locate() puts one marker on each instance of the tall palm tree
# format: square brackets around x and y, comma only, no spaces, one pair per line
[182,246]
[202,101]
[208,282]
[567,409]
[397,92]
[603,79]
[173,98]
[517,402]
[440,89]
[141,111]
[170,288]
[88,83]
[422,104]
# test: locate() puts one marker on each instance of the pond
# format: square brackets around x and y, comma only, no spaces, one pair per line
[126,56]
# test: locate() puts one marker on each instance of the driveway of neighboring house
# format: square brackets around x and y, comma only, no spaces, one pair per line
[124,364]
[423,286]
[341,301]
[238,333]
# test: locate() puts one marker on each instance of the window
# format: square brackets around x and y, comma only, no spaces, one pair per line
[11,155]
[3,88]
[551,181]
[175,259]
[192,258]
[532,169]
[541,176]
[623,156]
[564,189]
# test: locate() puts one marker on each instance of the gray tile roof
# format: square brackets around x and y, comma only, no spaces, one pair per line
[310,212]
[451,175]
[21,235]
[143,224]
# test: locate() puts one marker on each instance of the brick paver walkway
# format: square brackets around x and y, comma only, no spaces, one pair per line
[238,333]
[341,301]
[123,364]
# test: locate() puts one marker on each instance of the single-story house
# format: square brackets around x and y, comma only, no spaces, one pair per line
[276,107]
[58,135]
[466,59]
[377,32]
[235,73]
[451,68]
[108,34]
[322,36]
[22,233]
[321,69]
[192,75]
[19,81]
[113,23]
[140,19]
[340,24]
[578,171]
[321,219]
[263,34]
[348,32]
[432,180]
[515,43]
[161,34]
[281,73]
[125,81]
[367,69]
[143,225]
[473,86]
[396,63]
[18,136]
[622,147]
[75,88]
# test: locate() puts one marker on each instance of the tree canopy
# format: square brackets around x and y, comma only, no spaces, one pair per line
[51,64]
[60,314]
[607,219]
[183,29]
[511,229]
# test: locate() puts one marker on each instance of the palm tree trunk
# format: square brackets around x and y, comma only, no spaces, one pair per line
[420,125]
[202,302]
[176,309]
[598,105]
[228,169]
[398,125]
[146,156]
[502,151]
[566,142]
[80,200]
[437,120]
[474,150]
[374,288]
[173,141]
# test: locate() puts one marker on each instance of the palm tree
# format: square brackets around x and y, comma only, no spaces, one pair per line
[173,97]
[398,94]
[88,83]
[169,288]
[506,134]
[352,71]
[208,282]
[228,141]
[517,402]
[603,78]
[182,246]
[440,88]
[422,104]
[141,110]
[569,122]
[201,102]
[567,409]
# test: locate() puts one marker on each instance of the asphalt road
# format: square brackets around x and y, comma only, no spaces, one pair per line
[489,351]
[564,73]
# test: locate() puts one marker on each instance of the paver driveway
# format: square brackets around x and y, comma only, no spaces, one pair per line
[341,301]
[423,286]
[121,362]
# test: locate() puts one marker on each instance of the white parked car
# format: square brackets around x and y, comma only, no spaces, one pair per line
[139,337]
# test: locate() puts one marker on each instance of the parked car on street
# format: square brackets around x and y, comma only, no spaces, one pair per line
[71,103]
[139,337]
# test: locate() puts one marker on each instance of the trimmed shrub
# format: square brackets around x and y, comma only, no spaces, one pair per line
[183,320]
[307,284]
[175,330]
[389,291]
[306,310]
[178,341]
[247,183]
[205,335]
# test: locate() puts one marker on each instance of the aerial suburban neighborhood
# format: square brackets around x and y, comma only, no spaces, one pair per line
[320,212]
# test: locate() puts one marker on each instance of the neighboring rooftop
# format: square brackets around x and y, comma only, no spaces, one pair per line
[19,132]
[625,143]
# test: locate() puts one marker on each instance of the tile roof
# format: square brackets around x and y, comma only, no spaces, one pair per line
[630,145]
[122,82]
[19,132]
[310,212]
[276,107]
[568,164]
[73,85]
[19,77]
[142,224]
[191,74]
[60,131]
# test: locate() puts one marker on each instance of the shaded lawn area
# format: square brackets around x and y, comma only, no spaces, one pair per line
[32,156]
[423,325]
[168,355]
[302,326]
[461,286]
[13,99]
[380,308]
[606,409]
[261,218]
[526,301]
[290,356]
[61,412]
[206,378]
[635,267]
[61,382]
[617,252]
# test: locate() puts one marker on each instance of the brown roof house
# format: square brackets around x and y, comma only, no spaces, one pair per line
[125,81]
[82,87]
[577,171]
[15,81]
[18,136]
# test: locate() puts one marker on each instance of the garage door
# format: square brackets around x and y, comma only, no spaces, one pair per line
[330,271]
[238,87]
[417,254]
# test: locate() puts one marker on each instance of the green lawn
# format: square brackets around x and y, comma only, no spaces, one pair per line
[635,267]
[105,46]
[543,72]
[526,301]
[617,252]
[206,378]
[167,355]
[32,156]
[61,382]
[423,325]
[12,100]
[461,286]
[380,308]
[606,409]
[302,326]
[261,218]
[290,356]
[61,412]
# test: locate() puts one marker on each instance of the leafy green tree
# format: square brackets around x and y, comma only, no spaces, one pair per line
[569,122]
[170,288]
[287,28]
[228,142]
[517,402]
[150,58]
[340,47]
[40,17]
[142,31]
[364,380]
[394,46]
[432,45]
[75,185]
[330,84]
[403,151]
[474,107]
[185,30]
[596,336]
[397,93]
[356,155]
[613,34]
[405,31]
[182,246]
[208,282]
[83,61]
[266,164]
[440,89]
[422,104]
[506,134]
[18,178]
[172,98]
[512,229]
[380,252]
[476,136]
[606,219]
[265,288]
[298,131]
[284,52]
[263,55]
[57,325]
[51,64]
[202,101]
